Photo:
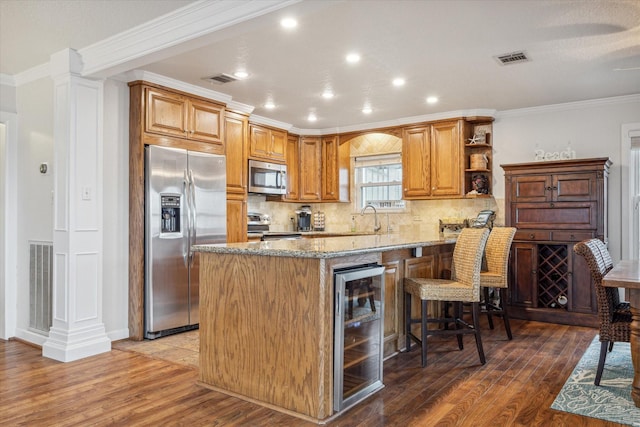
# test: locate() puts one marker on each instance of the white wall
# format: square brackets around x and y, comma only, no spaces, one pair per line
[593,129]
[115,287]
[34,102]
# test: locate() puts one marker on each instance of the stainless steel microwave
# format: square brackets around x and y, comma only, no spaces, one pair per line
[267,178]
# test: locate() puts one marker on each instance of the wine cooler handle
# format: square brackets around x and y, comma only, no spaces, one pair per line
[338,304]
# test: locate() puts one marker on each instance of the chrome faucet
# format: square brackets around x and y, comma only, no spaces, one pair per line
[376,226]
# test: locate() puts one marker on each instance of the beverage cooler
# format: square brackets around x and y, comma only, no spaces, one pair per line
[358,331]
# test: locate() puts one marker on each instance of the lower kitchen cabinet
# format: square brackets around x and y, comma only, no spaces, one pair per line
[236,218]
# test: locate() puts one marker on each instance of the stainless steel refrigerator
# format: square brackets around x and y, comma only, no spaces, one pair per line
[185,204]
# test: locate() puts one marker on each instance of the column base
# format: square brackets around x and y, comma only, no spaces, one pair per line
[69,345]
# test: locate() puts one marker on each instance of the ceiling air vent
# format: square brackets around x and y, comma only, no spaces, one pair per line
[221,78]
[512,58]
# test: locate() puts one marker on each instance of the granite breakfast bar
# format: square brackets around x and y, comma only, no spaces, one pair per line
[266,312]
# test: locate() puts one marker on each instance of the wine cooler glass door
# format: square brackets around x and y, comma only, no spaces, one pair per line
[359,317]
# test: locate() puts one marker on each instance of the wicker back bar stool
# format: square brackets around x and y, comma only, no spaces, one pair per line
[497,257]
[614,315]
[464,286]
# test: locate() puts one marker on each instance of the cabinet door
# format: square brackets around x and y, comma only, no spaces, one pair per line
[447,166]
[582,297]
[205,122]
[330,173]
[416,163]
[236,218]
[259,142]
[278,147]
[531,188]
[522,268]
[310,161]
[575,187]
[166,113]
[293,169]
[392,282]
[235,138]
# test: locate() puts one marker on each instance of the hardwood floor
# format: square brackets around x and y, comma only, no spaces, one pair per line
[125,387]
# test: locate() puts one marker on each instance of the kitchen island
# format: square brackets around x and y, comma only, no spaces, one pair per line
[267,312]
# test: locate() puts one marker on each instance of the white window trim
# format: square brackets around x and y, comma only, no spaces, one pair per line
[375,160]
[630,214]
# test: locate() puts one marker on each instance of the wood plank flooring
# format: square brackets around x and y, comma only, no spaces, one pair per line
[128,388]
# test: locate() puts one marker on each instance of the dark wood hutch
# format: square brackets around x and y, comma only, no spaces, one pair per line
[554,204]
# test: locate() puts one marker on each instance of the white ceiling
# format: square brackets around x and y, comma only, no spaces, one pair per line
[578,50]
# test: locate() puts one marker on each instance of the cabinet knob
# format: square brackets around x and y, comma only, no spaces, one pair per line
[551,204]
[531,236]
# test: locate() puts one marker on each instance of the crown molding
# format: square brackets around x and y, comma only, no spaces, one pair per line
[260,120]
[158,36]
[32,74]
[590,103]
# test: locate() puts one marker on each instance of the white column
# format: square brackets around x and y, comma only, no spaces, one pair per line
[77,329]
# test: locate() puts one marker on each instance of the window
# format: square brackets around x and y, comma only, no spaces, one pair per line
[378,182]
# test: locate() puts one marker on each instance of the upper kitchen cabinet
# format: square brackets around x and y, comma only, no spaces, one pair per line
[177,115]
[432,161]
[317,169]
[310,156]
[267,144]
[235,137]
[335,170]
[293,169]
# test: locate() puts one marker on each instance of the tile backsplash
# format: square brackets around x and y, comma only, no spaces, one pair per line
[418,215]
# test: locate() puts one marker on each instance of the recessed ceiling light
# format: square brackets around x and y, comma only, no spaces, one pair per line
[269,105]
[367,109]
[327,94]
[241,74]
[352,58]
[432,99]
[312,117]
[288,23]
[398,81]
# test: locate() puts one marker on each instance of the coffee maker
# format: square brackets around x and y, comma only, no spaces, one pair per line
[303,218]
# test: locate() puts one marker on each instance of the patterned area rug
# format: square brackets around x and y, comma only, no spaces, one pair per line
[611,401]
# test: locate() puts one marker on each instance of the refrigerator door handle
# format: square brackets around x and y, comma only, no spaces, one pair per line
[194,218]
[187,205]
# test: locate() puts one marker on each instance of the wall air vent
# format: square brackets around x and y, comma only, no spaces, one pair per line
[221,78]
[512,58]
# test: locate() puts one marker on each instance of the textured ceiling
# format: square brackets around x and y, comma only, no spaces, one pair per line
[444,48]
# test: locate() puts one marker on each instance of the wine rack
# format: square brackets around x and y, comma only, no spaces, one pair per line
[553,275]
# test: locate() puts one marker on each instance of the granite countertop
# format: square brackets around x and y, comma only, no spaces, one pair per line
[330,247]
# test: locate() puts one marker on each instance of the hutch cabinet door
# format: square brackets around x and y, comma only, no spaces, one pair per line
[582,296]
[575,187]
[531,188]
[524,262]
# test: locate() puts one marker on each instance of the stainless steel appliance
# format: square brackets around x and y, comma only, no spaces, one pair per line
[303,218]
[185,204]
[358,333]
[258,227]
[267,178]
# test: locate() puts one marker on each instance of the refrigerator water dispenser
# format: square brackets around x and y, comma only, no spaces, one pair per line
[170,213]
